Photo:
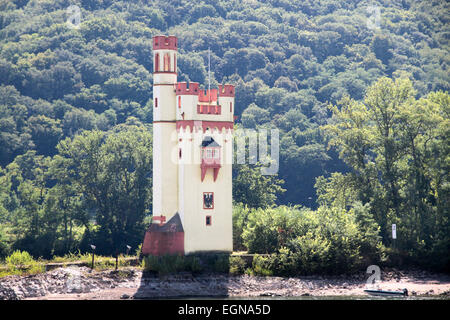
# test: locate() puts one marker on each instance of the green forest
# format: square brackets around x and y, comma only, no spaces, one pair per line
[363,114]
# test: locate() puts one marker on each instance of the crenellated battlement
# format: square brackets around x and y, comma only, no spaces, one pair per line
[211,95]
[165,42]
[207,95]
[226,90]
[182,88]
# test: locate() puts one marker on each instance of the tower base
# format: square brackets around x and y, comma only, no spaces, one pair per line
[162,239]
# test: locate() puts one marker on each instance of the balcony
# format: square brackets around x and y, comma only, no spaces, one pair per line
[209,109]
[210,157]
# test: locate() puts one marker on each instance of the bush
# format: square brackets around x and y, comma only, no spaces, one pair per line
[168,264]
[329,240]
[193,264]
[269,229]
[237,265]
[311,253]
[263,266]
[222,264]
[240,216]
[21,262]
[19,258]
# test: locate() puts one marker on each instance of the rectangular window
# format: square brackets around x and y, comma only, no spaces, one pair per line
[208,220]
[208,200]
[156,102]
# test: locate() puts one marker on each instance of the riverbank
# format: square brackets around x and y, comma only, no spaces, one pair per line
[131,283]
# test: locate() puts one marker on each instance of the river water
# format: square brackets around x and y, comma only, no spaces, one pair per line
[362,297]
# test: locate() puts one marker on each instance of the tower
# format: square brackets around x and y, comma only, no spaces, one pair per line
[165,186]
[192,161]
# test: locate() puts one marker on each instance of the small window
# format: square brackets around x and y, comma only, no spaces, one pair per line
[179,153]
[179,102]
[231,107]
[208,220]
[157,62]
[208,200]
[156,102]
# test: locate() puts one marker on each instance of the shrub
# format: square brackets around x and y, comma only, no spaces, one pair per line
[193,264]
[311,253]
[237,265]
[286,263]
[331,240]
[262,266]
[240,216]
[222,264]
[19,258]
[21,262]
[171,264]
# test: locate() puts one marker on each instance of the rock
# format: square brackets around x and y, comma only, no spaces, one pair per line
[8,294]
[124,296]
[306,294]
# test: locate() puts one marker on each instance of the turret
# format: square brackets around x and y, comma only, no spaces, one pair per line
[164,54]
[164,77]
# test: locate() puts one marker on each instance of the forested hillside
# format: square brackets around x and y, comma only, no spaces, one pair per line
[287,59]
[66,90]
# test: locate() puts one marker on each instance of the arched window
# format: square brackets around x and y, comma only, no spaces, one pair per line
[166,62]
[156,62]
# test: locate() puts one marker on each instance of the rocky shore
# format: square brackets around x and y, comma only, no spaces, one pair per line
[132,283]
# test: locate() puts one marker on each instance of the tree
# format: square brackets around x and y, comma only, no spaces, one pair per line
[395,147]
[253,189]
[112,171]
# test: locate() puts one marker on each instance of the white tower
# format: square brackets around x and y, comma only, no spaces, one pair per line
[165,186]
[192,161]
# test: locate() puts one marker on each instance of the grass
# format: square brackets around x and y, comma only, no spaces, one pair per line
[21,263]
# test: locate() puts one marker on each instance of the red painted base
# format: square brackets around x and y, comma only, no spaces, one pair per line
[161,239]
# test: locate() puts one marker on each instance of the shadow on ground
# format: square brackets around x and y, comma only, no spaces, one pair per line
[209,279]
